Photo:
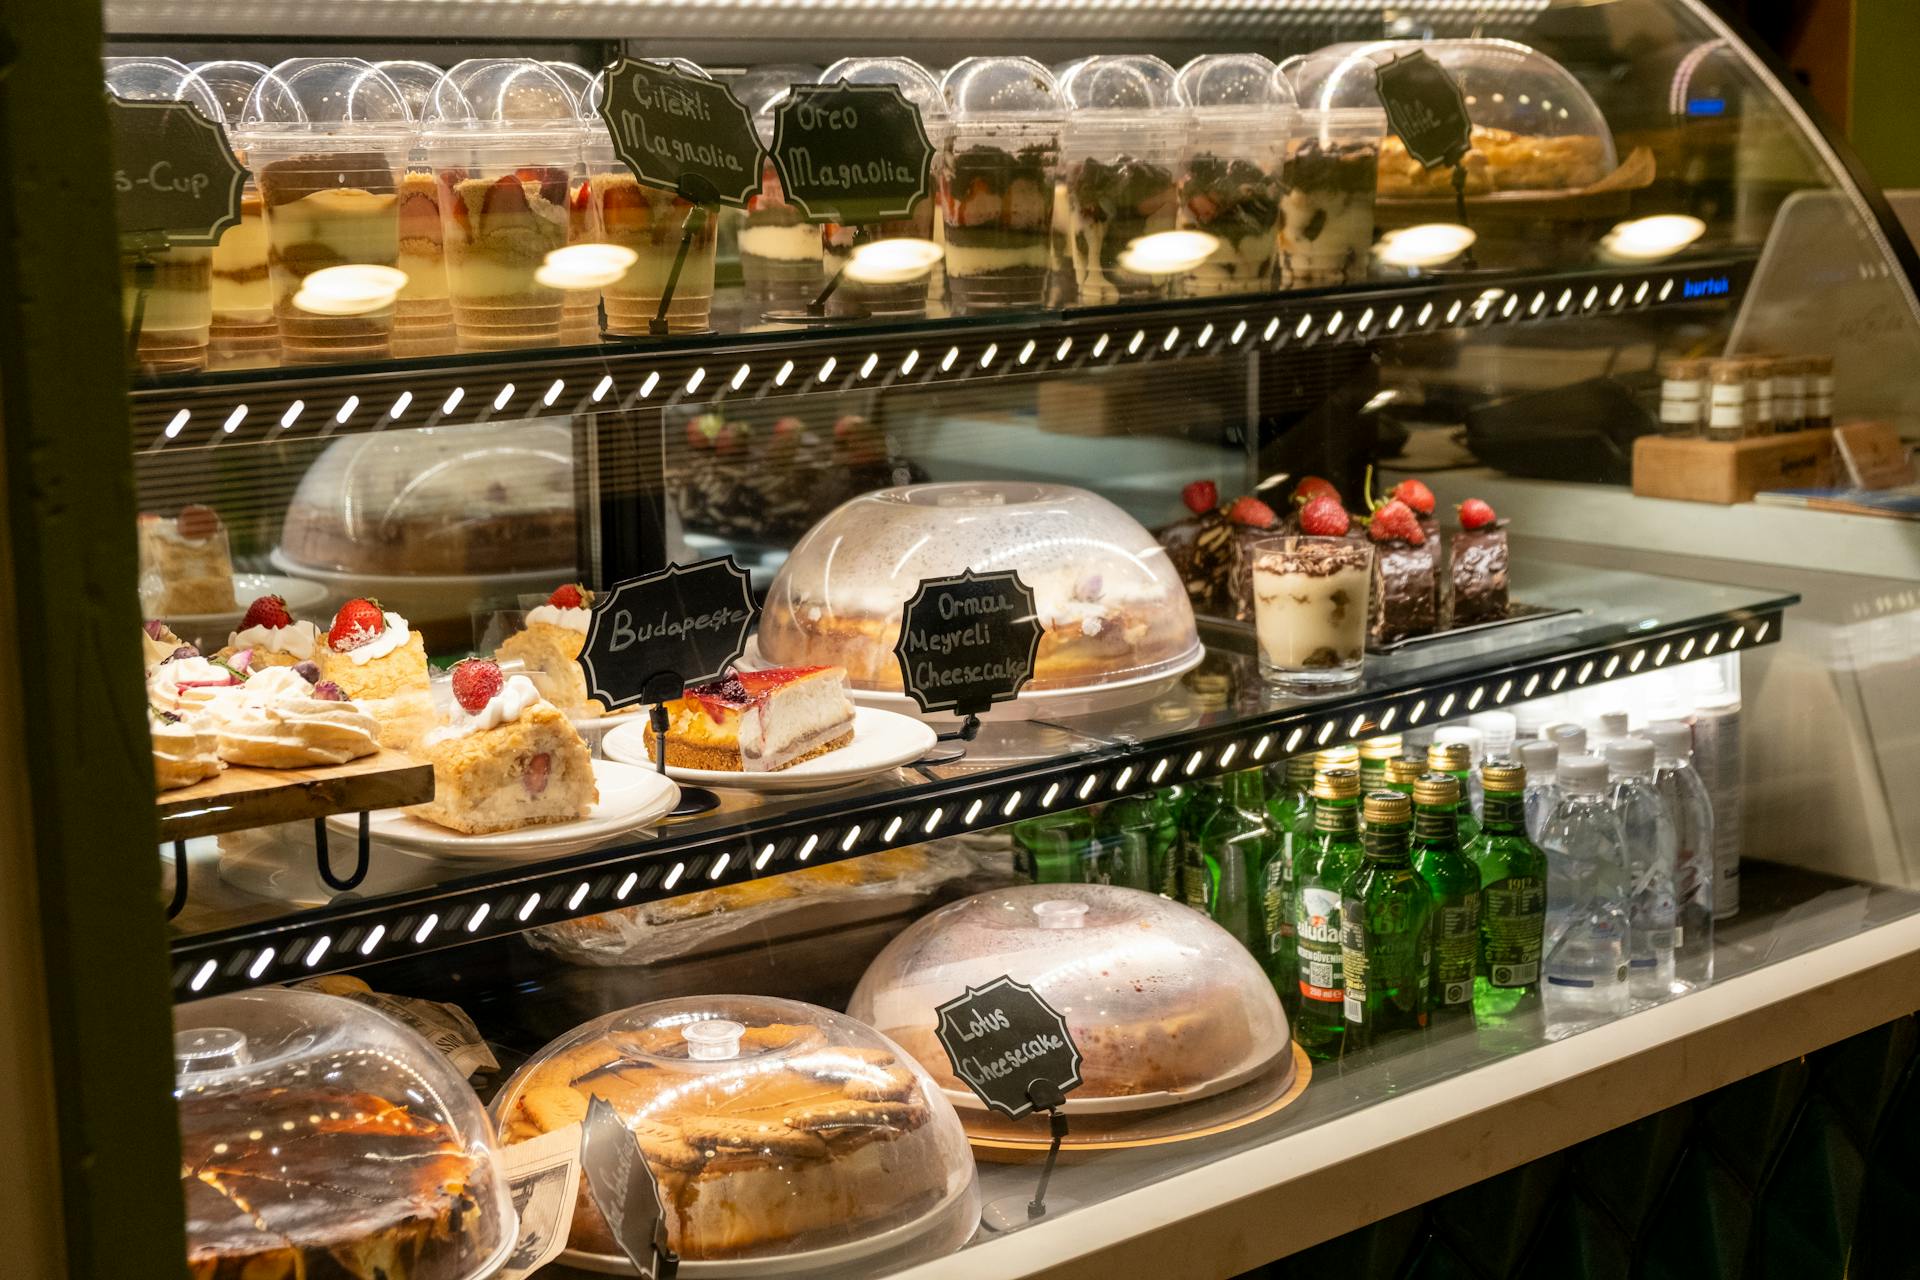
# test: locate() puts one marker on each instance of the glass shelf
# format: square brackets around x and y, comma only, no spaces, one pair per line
[1220,718]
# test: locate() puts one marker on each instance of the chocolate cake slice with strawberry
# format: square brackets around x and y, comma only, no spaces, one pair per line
[1403,600]
[1477,566]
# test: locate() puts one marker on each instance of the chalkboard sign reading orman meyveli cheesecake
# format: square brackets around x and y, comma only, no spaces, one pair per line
[968,642]
[173,173]
[682,133]
[850,153]
[651,636]
[1003,1039]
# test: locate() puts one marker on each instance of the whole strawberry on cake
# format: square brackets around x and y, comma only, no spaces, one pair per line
[506,758]
[758,721]
[1212,549]
[550,647]
[1403,600]
[377,660]
[275,636]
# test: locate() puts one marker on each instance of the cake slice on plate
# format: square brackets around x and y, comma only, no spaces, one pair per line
[550,649]
[276,638]
[379,661]
[507,759]
[184,563]
[758,721]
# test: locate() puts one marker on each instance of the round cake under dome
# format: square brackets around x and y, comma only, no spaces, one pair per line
[1110,604]
[313,1129]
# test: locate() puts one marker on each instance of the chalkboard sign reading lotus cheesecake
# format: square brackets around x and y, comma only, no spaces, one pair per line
[1009,1046]
[968,642]
[852,154]
[682,133]
[174,176]
[649,637]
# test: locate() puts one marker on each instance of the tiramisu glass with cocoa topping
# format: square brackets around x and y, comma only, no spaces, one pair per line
[1332,170]
[1242,117]
[996,181]
[1125,145]
[1310,610]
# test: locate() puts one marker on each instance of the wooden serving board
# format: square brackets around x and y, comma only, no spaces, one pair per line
[243,797]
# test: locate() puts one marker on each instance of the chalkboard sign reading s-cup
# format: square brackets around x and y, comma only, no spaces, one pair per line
[173,173]
[682,133]
[651,636]
[968,642]
[851,153]
[1004,1039]
[623,1189]
[1426,109]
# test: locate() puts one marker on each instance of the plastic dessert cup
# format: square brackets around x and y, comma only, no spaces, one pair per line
[580,310]
[422,314]
[244,334]
[1231,189]
[780,251]
[1310,610]
[1125,146]
[1326,222]
[895,297]
[997,180]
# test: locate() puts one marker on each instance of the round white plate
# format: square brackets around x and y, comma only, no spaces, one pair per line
[881,741]
[629,798]
[209,631]
[1038,704]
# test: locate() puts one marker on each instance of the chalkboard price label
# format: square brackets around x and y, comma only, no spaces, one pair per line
[173,172]
[623,1189]
[968,642]
[1003,1040]
[649,637]
[682,133]
[1426,108]
[851,153]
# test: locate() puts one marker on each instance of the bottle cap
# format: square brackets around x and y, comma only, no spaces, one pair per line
[1581,774]
[1387,806]
[1613,724]
[1495,727]
[1630,755]
[1475,740]
[1503,775]
[1450,757]
[1347,757]
[1539,756]
[1300,770]
[1336,784]
[1385,747]
[1570,738]
[1405,770]
[1534,718]
[1436,788]
[1672,739]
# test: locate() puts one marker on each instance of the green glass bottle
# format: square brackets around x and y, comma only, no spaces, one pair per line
[1456,758]
[1328,860]
[1207,798]
[1290,822]
[1139,843]
[1236,845]
[1057,848]
[1513,900]
[1403,772]
[1386,930]
[1455,883]
[1375,755]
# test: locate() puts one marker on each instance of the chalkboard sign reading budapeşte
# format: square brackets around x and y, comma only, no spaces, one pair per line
[649,637]
[851,153]
[624,1191]
[1426,109]
[1003,1038]
[173,172]
[968,642]
[682,133]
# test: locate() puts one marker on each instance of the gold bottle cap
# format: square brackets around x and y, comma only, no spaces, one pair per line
[1450,757]
[1503,775]
[1385,747]
[1405,770]
[1336,784]
[1387,806]
[1347,757]
[1300,770]
[1436,788]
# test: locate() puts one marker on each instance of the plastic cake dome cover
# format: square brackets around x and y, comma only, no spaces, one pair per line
[1110,603]
[1004,89]
[777,1131]
[162,80]
[1158,998]
[503,96]
[315,1129]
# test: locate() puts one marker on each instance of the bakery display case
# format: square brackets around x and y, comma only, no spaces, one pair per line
[1355,391]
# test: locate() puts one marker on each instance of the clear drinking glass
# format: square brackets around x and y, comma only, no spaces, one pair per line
[1310,610]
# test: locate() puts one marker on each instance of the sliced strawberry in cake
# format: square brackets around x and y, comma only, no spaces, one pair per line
[759,721]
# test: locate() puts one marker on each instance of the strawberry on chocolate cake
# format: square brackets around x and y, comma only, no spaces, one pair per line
[758,721]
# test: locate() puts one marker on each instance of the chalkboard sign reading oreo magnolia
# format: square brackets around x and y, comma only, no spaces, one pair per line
[1003,1038]
[682,132]
[651,636]
[851,153]
[1426,109]
[173,172]
[968,642]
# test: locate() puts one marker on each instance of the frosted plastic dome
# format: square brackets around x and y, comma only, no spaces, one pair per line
[1234,84]
[345,97]
[314,1128]
[779,1132]
[1110,604]
[1136,84]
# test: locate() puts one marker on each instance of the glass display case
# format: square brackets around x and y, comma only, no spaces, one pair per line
[1559,482]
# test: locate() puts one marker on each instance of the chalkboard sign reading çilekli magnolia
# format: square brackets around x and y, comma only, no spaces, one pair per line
[175,180]
[682,132]
[1003,1039]
[968,642]
[649,637]
[853,154]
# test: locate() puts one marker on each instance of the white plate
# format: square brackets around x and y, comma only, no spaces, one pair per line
[209,631]
[1038,704]
[881,741]
[629,798]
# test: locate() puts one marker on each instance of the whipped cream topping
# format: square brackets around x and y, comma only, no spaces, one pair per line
[191,686]
[512,702]
[555,616]
[158,651]
[299,639]
[394,637]
[276,712]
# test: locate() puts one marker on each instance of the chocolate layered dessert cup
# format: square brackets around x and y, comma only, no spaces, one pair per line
[1310,609]
[997,180]
[1326,211]
[1242,116]
[1125,146]
[890,297]
[1112,204]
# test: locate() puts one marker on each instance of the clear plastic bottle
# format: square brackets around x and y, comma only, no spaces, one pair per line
[1497,731]
[1685,795]
[1588,930]
[1653,847]
[1570,738]
[1541,758]
[1608,727]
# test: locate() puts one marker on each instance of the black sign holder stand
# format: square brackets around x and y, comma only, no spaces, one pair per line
[697,191]
[1010,1213]
[659,691]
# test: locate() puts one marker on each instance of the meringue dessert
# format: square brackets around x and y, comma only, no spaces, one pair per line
[284,719]
[183,753]
[507,758]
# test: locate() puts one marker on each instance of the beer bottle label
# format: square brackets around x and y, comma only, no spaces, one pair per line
[1276,916]
[1513,925]
[1317,931]
[1504,808]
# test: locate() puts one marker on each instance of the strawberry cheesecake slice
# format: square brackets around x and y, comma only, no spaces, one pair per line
[759,721]
[506,758]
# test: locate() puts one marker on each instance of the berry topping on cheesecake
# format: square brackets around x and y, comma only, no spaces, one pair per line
[759,721]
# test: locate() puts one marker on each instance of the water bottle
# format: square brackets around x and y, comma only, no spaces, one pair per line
[1653,847]
[1685,794]
[1587,925]
[1541,759]
[1570,738]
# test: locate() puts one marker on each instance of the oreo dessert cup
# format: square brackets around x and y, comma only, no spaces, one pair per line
[996,185]
[896,298]
[1331,173]
[1242,118]
[1125,146]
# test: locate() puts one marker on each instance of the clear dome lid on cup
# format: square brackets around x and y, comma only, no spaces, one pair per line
[1122,90]
[416,80]
[780,1134]
[916,84]
[1110,605]
[601,157]
[314,1129]
[504,98]
[230,80]
[1336,86]
[1230,93]
[1003,90]
[344,101]
[163,80]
